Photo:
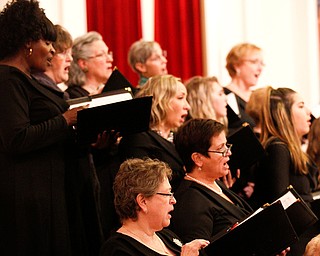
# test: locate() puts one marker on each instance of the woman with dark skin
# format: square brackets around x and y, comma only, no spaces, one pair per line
[35,124]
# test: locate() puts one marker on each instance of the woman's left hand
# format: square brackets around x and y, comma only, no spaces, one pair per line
[228,180]
[106,140]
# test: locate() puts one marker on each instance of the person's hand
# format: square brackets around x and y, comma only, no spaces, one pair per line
[71,115]
[106,139]
[228,180]
[193,247]
[248,190]
[284,252]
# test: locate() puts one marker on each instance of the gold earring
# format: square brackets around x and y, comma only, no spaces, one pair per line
[199,168]
[30,52]
[85,70]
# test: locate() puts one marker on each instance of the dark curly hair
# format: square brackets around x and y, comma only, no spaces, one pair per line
[23,21]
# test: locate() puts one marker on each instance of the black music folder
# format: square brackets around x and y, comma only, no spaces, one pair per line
[127,116]
[299,213]
[266,232]
[246,148]
[117,81]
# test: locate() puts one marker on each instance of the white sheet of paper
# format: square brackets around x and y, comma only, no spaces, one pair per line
[100,101]
[232,102]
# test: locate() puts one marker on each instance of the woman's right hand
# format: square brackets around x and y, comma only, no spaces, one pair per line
[71,115]
[192,248]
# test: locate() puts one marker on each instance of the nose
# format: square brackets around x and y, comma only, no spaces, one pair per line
[187,105]
[173,200]
[110,56]
[69,57]
[52,50]
[164,59]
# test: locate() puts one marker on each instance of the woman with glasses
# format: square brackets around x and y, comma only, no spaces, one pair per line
[201,196]
[244,64]
[144,202]
[147,59]
[91,66]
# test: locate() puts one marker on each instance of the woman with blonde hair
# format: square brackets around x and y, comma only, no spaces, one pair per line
[168,111]
[207,99]
[244,64]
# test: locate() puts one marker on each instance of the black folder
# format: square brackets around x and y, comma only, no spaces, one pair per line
[117,81]
[129,116]
[299,213]
[265,233]
[246,148]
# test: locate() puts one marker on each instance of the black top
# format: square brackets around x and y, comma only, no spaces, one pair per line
[33,216]
[77,92]
[122,245]
[275,172]
[202,213]
[46,81]
[150,144]
[235,121]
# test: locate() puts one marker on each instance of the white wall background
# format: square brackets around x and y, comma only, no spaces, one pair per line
[287,31]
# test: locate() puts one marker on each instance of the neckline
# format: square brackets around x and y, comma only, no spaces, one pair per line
[140,240]
[220,192]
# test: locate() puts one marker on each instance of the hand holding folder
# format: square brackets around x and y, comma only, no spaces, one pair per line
[269,230]
[266,232]
[125,116]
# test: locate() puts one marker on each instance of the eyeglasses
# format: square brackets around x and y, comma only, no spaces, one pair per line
[159,57]
[102,55]
[256,62]
[224,152]
[170,195]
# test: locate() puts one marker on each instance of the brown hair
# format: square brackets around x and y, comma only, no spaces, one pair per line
[137,176]
[276,122]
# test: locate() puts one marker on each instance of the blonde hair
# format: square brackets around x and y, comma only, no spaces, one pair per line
[254,106]
[236,55]
[163,89]
[200,90]
[276,122]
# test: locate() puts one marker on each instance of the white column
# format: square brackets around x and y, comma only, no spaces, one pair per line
[147,13]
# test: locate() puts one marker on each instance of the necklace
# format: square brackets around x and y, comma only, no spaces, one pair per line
[154,245]
[207,186]
[169,138]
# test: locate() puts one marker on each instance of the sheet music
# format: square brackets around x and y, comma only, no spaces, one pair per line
[100,101]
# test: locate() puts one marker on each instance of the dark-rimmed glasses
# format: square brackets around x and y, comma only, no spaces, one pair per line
[170,195]
[224,152]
